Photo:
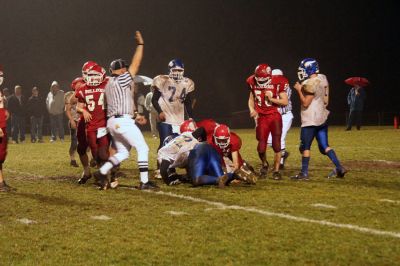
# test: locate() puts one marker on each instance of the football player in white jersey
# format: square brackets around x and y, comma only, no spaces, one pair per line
[314,97]
[172,98]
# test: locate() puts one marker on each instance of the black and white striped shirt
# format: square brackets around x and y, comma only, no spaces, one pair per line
[284,109]
[119,95]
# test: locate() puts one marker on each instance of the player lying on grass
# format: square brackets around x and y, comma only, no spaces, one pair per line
[228,144]
[190,150]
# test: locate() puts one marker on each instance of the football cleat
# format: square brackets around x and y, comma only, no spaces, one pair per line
[114,182]
[84,178]
[6,188]
[157,174]
[299,176]
[276,175]
[337,172]
[222,181]
[148,186]
[264,171]
[73,163]
[101,180]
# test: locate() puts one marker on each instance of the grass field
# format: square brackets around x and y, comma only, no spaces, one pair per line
[50,220]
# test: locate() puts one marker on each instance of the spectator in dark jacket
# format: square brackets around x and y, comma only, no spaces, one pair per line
[16,107]
[36,109]
[355,100]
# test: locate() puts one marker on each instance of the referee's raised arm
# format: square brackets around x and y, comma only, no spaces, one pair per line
[137,57]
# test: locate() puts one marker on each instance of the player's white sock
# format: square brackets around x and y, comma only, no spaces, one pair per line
[106,168]
[144,177]
[144,171]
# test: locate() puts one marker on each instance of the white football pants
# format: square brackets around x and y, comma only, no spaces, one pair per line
[287,120]
[126,135]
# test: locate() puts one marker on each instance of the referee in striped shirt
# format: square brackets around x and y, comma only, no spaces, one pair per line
[121,125]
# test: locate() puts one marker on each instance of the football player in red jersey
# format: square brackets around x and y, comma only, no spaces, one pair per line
[209,125]
[264,99]
[91,104]
[80,126]
[4,115]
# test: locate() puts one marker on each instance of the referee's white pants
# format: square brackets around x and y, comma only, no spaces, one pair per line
[287,120]
[126,135]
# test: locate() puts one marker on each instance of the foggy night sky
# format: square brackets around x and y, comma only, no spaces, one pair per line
[220,43]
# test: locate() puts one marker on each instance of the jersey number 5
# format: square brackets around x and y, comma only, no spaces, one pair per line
[91,104]
[259,98]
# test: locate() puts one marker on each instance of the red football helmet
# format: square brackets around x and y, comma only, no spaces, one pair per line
[95,76]
[85,68]
[222,136]
[76,83]
[188,126]
[263,75]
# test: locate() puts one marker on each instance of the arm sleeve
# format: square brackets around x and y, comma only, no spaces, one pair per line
[188,104]
[147,102]
[125,79]
[154,100]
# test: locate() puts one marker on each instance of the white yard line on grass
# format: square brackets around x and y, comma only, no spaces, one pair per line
[281,215]
[322,205]
[175,213]
[26,221]
[221,205]
[389,200]
[101,217]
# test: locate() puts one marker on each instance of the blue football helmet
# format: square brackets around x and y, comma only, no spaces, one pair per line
[307,67]
[176,69]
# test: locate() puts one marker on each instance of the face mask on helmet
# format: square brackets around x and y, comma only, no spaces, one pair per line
[176,69]
[307,67]
[95,76]
[188,126]
[86,67]
[176,73]
[222,136]
[262,75]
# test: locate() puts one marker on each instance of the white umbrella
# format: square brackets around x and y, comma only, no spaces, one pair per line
[143,79]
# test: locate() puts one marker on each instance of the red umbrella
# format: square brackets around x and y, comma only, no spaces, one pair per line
[353,81]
